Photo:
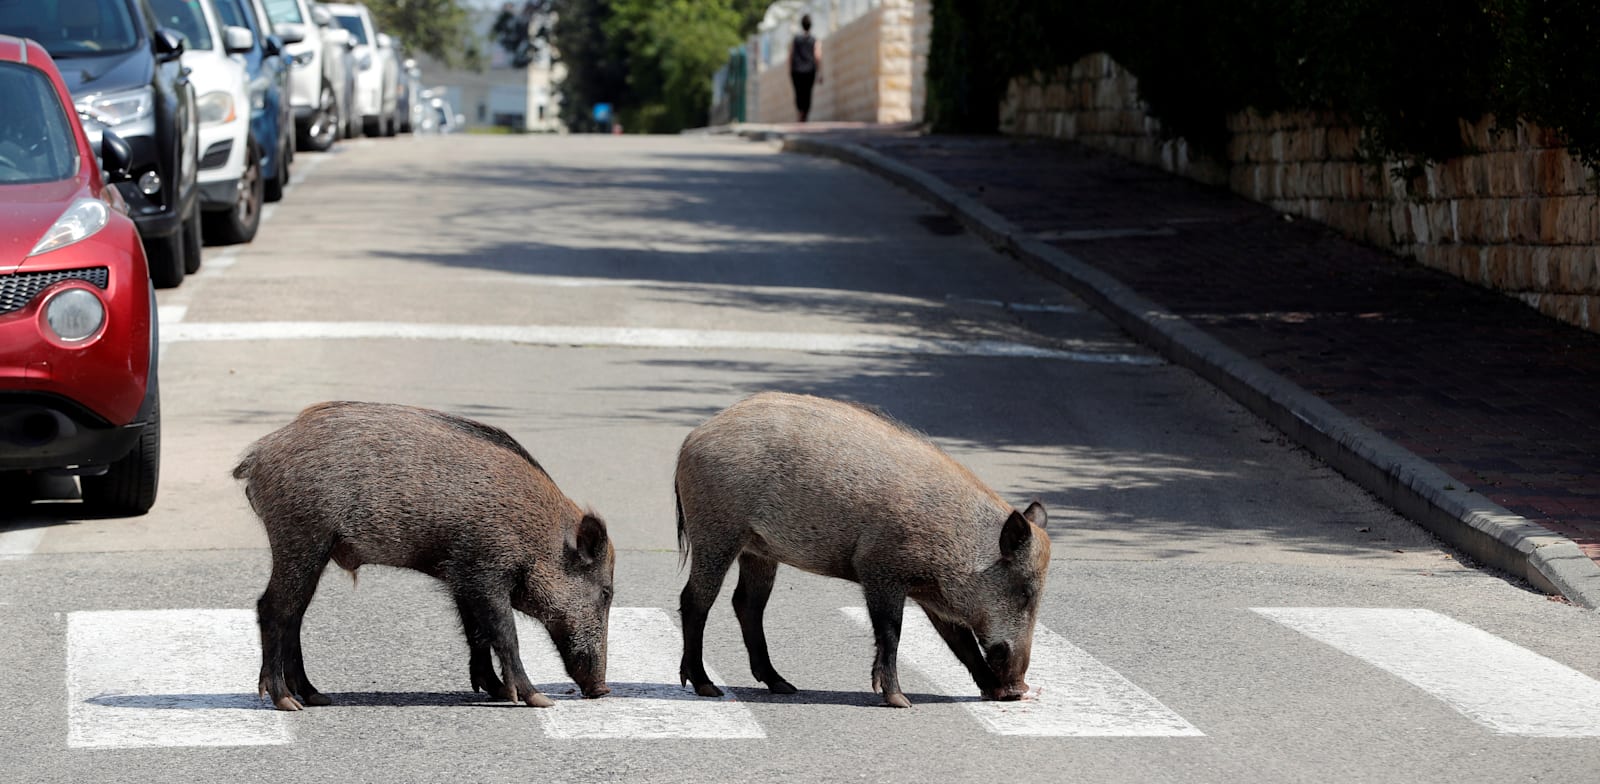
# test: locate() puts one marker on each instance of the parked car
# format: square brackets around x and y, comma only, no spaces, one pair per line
[408,104]
[124,73]
[231,189]
[78,391]
[377,69]
[319,75]
[271,121]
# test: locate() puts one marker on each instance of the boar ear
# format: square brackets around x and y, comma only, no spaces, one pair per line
[590,542]
[1014,535]
[1035,514]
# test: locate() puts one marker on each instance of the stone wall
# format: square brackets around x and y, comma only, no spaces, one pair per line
[1518,215]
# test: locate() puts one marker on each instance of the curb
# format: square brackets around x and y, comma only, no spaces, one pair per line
[1491,534]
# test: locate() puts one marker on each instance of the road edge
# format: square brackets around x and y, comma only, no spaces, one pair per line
[1490,533]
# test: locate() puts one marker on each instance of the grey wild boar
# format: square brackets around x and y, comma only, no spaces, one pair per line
[372,483]
[838,490]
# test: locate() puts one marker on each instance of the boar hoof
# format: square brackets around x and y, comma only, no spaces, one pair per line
[781,686]
[317,699]
[708,690]
[596,691]
[287,703]
[538,700]
[896,701]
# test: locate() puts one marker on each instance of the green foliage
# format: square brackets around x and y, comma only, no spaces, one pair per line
[440,28]
[1406,71]
[651,59]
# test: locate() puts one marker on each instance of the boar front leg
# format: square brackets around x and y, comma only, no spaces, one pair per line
[886,606]
[495,625]
[756,575]
[964,644]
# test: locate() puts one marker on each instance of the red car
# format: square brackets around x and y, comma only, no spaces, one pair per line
[78,391]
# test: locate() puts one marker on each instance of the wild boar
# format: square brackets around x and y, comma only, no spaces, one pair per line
[842,491]
[374,483]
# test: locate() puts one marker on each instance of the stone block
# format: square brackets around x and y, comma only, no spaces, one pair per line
[1554,172]
[1508,173]
[1522,218]
[1441,229]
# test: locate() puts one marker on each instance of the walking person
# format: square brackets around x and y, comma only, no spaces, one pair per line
[805,67]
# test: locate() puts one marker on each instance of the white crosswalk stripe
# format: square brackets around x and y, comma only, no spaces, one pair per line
[167,678]
[646,700]
[1074,695]
[140,679]
[1496,683]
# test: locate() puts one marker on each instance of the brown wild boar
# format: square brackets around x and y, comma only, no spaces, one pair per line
[373,483]
[838,490]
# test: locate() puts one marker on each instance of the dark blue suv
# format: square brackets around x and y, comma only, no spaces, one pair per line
[124,74]
[271,116]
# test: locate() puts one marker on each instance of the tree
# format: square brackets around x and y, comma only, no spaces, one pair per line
[441,28]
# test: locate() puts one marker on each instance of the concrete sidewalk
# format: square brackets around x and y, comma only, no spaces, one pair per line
[1467,411]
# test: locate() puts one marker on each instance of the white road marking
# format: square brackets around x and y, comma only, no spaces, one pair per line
[171,314]
[20,543]
[1496,683]
[646,700]
[632,337]
[138,679]
[1074,695]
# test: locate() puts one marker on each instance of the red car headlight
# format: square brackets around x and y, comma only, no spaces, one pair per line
[72,314]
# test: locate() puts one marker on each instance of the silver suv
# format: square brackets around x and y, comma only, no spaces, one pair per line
[321,74]
[377,69]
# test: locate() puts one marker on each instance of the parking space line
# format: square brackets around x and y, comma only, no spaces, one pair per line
[636,337]
[1073,694]
[646,700]
[1492,681]
[20,543]
[163,678]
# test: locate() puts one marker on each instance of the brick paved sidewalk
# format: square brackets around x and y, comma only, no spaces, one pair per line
[1501,398]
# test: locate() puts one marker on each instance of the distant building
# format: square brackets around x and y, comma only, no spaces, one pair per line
[504,95]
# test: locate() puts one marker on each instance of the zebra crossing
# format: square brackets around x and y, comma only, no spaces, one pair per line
[179,678]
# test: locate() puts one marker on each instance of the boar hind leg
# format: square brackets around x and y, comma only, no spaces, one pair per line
[750,603]
[279,612]
[495,625]
[964,644]
[480,666]
[886,606]
[710,565]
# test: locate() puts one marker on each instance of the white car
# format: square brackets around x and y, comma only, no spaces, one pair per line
[230,180]
[320,81]
[377,69]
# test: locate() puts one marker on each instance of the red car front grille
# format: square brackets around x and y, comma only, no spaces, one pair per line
[17,290]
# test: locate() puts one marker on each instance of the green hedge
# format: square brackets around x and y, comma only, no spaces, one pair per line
[1407,71]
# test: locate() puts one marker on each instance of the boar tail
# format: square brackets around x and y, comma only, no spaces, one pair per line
[683,541]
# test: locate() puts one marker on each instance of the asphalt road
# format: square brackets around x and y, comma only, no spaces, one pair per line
[598,297]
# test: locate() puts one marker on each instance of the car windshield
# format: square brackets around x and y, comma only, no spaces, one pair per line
[186,18]
[69,28]
[284,11]
[358,31]
[36,143]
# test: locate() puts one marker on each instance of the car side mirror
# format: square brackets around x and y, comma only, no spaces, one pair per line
[321,16]
[384,41]
[290,32]
[168,45]
[237,40]
[116,157]
[272,46]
